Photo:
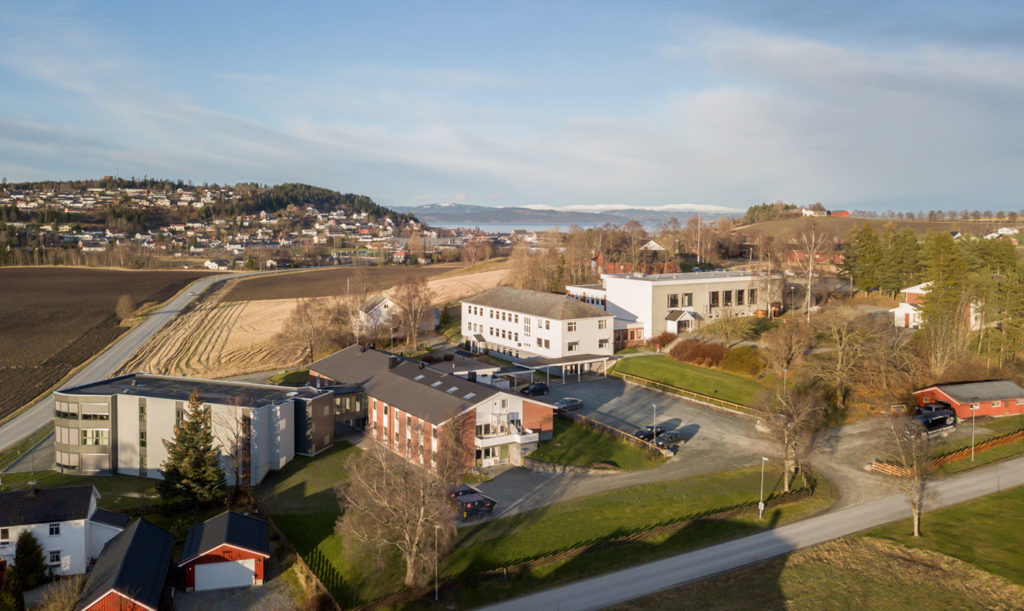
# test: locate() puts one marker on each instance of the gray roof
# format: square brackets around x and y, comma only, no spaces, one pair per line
[134,563]
[179,388]
[372,302]
[233,528]
[44,505]
[426,393]
[536,303]
[969,392]
[110,518]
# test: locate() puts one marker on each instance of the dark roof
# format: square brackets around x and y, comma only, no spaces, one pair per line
[969,392]
[134,563]
[229,527]
[426,393]
[110,518]
[179,388]
[536,303]
[42,505]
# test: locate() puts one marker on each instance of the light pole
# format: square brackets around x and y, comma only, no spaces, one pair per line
[760,503]
[974,408]
[654,421]
[435,560]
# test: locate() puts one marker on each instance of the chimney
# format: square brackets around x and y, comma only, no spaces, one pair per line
[392,361]
[362,348]
[471,376]
[422,365]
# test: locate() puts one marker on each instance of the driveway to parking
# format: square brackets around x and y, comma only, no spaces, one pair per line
[716,440]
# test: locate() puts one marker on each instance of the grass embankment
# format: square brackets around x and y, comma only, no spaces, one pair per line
[710,382]
[295,377]
[577,444]
[608,515]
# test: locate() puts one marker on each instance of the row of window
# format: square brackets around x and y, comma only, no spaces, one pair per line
[727,297]
[85,437]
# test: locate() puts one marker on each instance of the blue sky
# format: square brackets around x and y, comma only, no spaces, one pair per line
[872,105]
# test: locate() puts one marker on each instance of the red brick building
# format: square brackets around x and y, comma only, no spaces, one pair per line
[992,398]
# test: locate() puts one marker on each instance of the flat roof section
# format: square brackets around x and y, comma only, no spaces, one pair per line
[688,276]
[210,391]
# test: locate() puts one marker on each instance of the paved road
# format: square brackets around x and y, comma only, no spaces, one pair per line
[628,584]
[107,362]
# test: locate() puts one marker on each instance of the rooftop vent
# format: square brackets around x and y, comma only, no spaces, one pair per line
[392,361]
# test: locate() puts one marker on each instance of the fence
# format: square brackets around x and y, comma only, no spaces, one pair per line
[642,534]
[951,457]
[304,568]
[689,394]
[649,448]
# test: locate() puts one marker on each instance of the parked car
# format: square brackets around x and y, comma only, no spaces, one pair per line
[669,439]
[537,388]
[475,505]
[461,490]
[648,432]
[569,404]
[936,417]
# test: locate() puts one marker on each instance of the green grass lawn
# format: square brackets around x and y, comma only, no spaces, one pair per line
[12,453]
[577,444]
[306,484]
[607,515]
[710,382]
[984,532]
[994,427]
[295,377]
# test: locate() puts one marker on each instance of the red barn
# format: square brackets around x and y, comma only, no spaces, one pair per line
[131,573]
[994,398]
[226,551]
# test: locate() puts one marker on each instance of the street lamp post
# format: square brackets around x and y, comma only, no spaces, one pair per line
[760,503]
[435,560]
[654,421]
[974,408]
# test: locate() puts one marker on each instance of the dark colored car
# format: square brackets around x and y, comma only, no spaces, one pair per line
[936,416]
[569,404]
[648,433]
[669,439]
[474,505]
[461,490]
[537,388]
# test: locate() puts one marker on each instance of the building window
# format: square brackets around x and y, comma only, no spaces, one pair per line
[673,300]
[752,296]
[526,326]
[1019,401]
[713,299]
[5,535]
[571,327]
[547,325]
[179,411]
[574,347]
[142,465]
[975,405]
[517,336]
[602,324]
[142,439]
[726,298]
[602,343]
[997,404]
[739,298]
[95,437]
[687,300]
[547,343]
[55,557]
[540,343]
[516,319]
[55,529]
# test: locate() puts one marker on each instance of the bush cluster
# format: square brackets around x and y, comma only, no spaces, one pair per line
[744,360]
[698,353]
[661,340]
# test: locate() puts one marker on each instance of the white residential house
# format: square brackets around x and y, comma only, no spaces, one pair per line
[65,521]
[908,313]
[523,324]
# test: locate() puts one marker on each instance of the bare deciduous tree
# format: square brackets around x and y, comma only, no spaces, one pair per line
[231,430]
[62,595]
[390,503]
[309,326]
[413,299]
[811,243]
[846,344]
[795,421]
[784,346]
[908,447]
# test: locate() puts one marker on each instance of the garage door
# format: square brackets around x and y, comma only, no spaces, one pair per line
[225,574]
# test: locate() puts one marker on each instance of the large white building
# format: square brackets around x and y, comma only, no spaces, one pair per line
[521,324]
[645,306]
[119,425]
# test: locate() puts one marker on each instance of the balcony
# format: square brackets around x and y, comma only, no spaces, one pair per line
[490,441]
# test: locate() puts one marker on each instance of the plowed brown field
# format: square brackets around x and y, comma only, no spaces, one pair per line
[54,318]
[326,282]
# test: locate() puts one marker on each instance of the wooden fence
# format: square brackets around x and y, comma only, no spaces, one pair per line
[689,394]
[951,457]
[641,534]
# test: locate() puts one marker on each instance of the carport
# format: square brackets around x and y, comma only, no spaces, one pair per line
[567,365]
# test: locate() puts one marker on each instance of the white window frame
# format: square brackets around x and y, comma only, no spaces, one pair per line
[54,529]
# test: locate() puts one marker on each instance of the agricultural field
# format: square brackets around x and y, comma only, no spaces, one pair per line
[842,225]
[231,330]
[53,319]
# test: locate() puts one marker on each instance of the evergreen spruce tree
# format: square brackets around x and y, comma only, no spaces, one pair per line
[900,262]
[29,563]
[862,258]
[192,470]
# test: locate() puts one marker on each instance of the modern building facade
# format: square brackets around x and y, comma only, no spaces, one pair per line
[413,409]
[656,303]
[522,324]
[118,425]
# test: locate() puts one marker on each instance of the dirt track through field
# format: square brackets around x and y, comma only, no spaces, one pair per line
[219,338]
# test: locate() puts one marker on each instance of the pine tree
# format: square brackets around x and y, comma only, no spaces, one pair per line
[29,563]
[900,262]
[192,470]
[862,258]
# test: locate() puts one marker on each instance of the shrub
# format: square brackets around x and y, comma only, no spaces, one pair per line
[125,307]
[745,360]
[661,340]
[698,352]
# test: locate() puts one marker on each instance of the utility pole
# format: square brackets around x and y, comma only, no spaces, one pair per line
[760,503]
[654,422]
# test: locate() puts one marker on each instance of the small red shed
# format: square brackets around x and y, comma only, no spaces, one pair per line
[226,551]
[991,398]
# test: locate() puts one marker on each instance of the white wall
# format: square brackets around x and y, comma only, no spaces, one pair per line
[273,438]
[552,330]
[630,299]
[71,542]
[98,535]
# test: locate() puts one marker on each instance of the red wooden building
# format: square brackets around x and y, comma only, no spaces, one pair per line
[226,551]
[992,398]
[131,573]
